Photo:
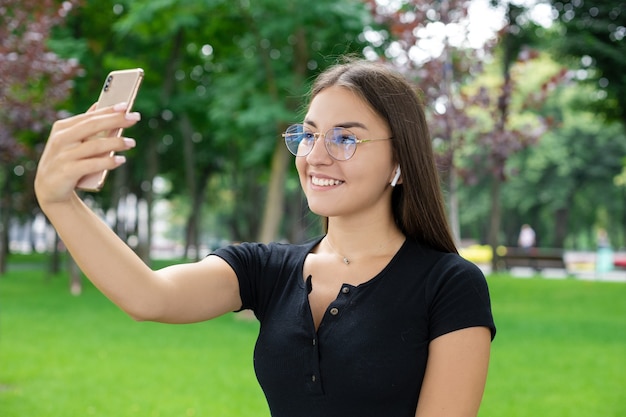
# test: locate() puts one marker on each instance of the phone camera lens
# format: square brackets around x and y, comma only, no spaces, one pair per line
[108,83]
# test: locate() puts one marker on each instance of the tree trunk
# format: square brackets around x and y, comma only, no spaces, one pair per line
[144,227]
[272,213]
[5,215]
[4,227]
[494,224]
[453,204]
[76,283]
[193,221]
[144,217]
[499,161]
[55,257]
[450,129]
[195,217]
[561,217]
[276,190]
[192,240]
[119,192]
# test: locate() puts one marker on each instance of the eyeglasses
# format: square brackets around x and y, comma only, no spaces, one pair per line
[339,142]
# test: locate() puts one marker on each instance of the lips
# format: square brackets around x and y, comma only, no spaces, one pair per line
[325,182]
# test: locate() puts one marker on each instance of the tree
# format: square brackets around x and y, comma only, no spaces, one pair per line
[570,174]
[34,81]
[593,33]
[444,74]
[286,48]
[222,81]
[162,38]
[429,42]
[506,139]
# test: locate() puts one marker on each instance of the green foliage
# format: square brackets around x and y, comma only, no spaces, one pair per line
[569,172]
[223,78]
[571,168]
[593,32]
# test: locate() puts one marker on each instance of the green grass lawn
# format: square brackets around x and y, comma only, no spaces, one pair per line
[66,356]
[560,351]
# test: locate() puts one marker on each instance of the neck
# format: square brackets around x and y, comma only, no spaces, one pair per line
[355,243]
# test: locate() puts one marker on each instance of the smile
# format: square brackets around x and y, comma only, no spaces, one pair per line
[325,182]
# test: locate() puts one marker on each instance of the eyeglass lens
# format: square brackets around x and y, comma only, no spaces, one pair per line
[339,142]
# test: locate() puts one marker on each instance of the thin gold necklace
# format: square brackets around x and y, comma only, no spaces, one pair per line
[345,259]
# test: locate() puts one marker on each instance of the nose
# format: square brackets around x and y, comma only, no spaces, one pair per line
[319,155]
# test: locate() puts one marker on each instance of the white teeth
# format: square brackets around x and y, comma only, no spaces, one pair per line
[325,182]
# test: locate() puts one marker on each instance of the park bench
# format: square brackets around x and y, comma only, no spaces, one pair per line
[536,258]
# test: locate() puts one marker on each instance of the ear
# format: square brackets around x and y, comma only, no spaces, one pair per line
[396,177]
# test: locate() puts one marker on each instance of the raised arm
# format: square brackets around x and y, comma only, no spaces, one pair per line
[177,294]
[456,373]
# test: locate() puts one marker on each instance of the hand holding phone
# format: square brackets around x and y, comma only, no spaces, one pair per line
[119,86]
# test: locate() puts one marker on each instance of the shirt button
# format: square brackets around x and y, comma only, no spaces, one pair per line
[313,378]
[314,342]
[334,311]
[345,290]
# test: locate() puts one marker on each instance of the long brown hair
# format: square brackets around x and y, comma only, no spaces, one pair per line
[417,203]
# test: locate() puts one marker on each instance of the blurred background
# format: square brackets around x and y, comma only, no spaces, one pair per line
[526,102]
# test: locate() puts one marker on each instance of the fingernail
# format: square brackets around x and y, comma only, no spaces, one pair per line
[119,159]
[133,116]
[120,106]
[129,142]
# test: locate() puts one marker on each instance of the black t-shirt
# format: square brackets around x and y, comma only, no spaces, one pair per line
[369,354]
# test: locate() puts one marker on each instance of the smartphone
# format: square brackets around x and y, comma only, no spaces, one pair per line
[119,86]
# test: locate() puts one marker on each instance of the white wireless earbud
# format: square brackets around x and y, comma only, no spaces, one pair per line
[395,179]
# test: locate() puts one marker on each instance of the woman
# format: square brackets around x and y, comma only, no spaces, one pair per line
[379,317]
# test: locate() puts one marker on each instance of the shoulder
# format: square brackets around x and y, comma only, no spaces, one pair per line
[452,270]
[447,273]
[439,263]
[264,253]
[456,292]
[262,268]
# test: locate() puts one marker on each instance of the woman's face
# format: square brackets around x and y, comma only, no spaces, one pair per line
[359,185]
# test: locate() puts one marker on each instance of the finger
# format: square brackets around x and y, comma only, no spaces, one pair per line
[59,156]
[92,124]
[106,122]
[119,108]
[67,176]
[96,164]
[58,175]
[100,146]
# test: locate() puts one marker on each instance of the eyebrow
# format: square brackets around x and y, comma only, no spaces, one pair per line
[346,125]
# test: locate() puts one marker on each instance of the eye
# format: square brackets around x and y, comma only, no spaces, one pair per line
[308,135]
[344,137]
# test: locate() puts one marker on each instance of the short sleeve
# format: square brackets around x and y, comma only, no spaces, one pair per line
[264,271]
[247,260]
[458,297]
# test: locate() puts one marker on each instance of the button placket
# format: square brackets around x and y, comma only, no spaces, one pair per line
[316,376]
[334,311]
[341,302]
[313,377]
